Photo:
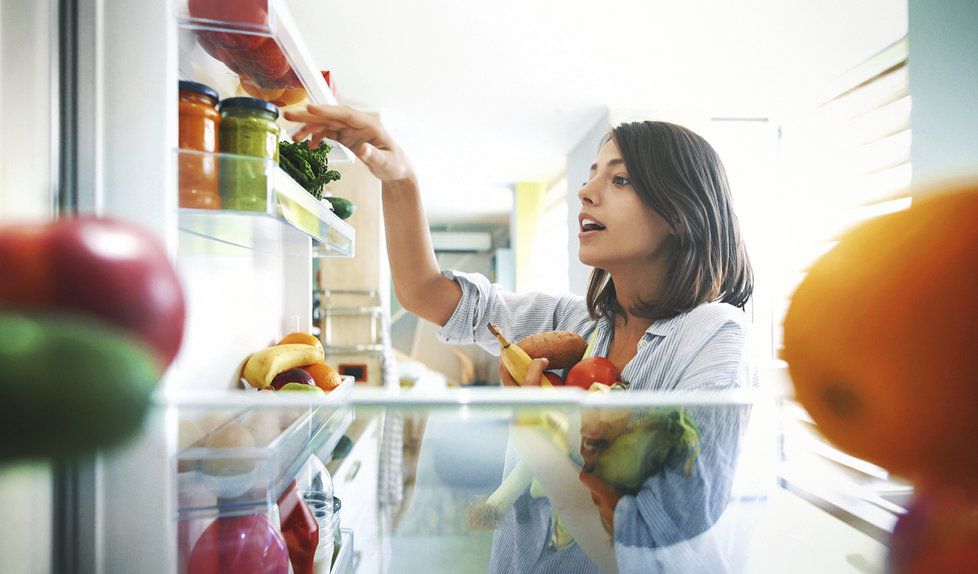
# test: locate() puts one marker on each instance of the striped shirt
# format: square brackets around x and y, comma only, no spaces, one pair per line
[664,528]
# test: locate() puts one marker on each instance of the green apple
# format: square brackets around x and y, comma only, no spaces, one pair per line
[301,387]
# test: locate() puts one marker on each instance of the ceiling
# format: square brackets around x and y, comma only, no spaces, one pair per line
[482,95]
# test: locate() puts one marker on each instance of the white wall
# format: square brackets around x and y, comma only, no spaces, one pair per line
[579,161]
[944,87]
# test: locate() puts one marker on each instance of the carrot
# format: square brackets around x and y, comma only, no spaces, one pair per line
[563,348]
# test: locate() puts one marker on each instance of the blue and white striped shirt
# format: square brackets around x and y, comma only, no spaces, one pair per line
[704,349]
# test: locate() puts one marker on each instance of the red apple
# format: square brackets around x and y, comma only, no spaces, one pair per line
[592,370]
[297,375]
[102,268]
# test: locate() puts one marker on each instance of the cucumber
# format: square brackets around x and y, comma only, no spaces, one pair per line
[342,207]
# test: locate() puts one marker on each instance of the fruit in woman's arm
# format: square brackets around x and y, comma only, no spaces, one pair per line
[590,371]
[562,349]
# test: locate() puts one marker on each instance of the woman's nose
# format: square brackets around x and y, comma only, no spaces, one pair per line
[585,194]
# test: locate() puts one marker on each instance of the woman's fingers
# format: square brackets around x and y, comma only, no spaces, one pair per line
[535,373]
[505,377]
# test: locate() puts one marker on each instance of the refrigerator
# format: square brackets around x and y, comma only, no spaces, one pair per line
[100,84]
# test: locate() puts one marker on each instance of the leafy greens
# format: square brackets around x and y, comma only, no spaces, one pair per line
[307,166]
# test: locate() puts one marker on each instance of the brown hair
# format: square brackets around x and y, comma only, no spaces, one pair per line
[679,175]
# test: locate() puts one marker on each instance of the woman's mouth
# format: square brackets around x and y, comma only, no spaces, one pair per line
[589,227]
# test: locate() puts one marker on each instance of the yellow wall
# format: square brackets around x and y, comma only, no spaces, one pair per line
[528,204]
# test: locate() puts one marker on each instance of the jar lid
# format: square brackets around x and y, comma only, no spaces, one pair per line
[254,103]
[337,505]
[187,86]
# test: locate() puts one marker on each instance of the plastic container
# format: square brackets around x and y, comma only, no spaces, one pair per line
[199,132]
[316,487]
[239,543]
[337,538]
[300,530]
[248,127]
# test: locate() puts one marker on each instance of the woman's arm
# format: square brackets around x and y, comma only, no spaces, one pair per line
[418,283]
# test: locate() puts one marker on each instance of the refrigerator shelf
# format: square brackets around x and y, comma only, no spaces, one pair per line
[281,209]
[253,48]
[216,481]
[344,558]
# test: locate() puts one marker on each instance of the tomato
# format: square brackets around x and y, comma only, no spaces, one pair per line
[265,60]
[102,268]
[242,14]
[592,370]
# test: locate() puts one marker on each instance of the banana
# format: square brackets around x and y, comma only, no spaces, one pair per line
[261,367]
[516,360]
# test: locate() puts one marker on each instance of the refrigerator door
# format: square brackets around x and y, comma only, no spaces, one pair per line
[29,178]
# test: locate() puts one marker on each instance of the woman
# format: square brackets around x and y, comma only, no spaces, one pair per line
[665,305]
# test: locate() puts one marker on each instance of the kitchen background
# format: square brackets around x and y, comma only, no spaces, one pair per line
[501,108]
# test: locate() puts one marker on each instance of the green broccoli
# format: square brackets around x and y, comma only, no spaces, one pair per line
[308,167]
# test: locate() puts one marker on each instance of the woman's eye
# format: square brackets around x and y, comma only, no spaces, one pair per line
[620,180]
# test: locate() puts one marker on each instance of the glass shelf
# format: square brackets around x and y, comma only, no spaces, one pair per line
[267,206]
[252,48]
[227,480]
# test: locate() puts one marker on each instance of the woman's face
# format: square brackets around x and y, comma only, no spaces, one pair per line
[617,230]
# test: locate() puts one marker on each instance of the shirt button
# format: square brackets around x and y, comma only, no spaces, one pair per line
[642,344]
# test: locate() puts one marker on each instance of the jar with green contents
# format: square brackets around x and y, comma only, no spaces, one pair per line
[248,128]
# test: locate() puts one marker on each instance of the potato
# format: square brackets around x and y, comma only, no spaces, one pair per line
[562,348]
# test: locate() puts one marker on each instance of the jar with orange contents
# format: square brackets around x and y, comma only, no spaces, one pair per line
[198,164]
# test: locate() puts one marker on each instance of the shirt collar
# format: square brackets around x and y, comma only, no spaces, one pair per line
[664,327]
[660,328]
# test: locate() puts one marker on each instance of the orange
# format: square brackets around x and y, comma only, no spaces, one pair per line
[301,339]
[290,96]
[250,87]
[881,340]
[325,376]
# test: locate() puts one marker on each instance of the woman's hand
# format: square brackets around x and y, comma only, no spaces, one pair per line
[533,375]
[605,497]
[362,133]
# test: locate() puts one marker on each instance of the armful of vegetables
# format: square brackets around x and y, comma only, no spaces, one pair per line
[561,348]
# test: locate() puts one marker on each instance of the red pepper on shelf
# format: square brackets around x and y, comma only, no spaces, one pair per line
[299,528]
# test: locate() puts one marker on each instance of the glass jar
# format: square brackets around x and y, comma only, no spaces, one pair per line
[199,121]
[248,128]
